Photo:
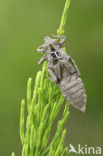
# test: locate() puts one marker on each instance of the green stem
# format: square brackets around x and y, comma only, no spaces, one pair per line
[13,154]
[60,31]
[43,108]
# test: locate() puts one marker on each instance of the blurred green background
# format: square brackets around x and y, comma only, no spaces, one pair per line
[23,25]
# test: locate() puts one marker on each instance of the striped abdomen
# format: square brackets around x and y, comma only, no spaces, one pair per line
[73,90]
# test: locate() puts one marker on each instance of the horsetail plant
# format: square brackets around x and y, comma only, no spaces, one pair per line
[43,106]
[42,109]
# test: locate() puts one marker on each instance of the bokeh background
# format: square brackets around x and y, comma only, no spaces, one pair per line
[23,25]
